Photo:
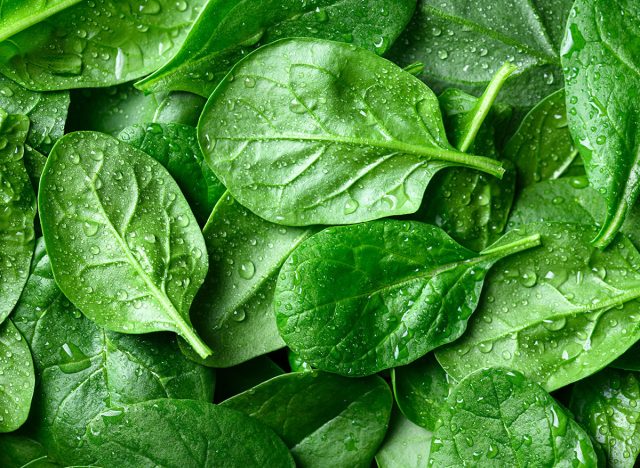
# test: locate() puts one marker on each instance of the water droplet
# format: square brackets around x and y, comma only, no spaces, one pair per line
[247,270]
[249,82]
[150,7]
[351,206]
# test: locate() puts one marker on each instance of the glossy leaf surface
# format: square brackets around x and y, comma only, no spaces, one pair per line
[320,132]
[17,15]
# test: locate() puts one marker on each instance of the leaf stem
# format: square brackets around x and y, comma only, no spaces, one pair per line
[611,226]
[195,342]
[511,248]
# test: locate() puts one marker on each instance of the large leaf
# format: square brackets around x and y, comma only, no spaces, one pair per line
[175,146]
[465,43]
[602,71]
[17,211]
[233,312]
[17,379]
[557,313]
[124,245]
[320,429]
[497,417]
[207,436]
[84,370]
[229,29]
[97,43]
[405,445]
[607,405]
[16,15]
[307,131]
[358,299]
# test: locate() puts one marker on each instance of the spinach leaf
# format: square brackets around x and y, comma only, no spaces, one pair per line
[465,44]
[320,429]
[124,245]
[234,311]
[110,110]
[557,314]
[497,417]
[98,43]
[602,73]
[359,299]
[229,29]
[320,132]
[18,451]
[17,15]
[175,146]
[421,389]
[607,406]
[242,377]
[84,370]
[542,147]
[46,111]
[207,436]
[17,211]
[405,445]
[17,379]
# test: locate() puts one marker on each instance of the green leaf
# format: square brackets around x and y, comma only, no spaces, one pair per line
[98,43]
[46,111]
[359,299]
[320,429]
[496,417]
[320,132]
[239,378]
[465,45]
[420,389]
[557,313]
[17,15]
[405,445]
[234,311]
[229,29]
[207,436]
[124,245]
[542,147]
[84,370]
[602,73]
[18,451]
[175,146]
[607,406]
[17,379]
[17,211]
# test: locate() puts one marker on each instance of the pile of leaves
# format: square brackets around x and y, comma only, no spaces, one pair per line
[319,233]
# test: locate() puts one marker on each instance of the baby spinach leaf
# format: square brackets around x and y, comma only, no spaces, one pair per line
[229,29]
[17,379]
[98,43]
[359,299]
[465,45]
[124,245]
[405,445]
[497,417]
[602,72]
[320,132]
[17,15]
[420,389]
[237,379]
[234,311]
[542,147]
[18,451]
[110,110]
[46,111]
[607,406]
[17,211]
[558,313]
[84,370]
[319,429]
[175,146]
[207,436]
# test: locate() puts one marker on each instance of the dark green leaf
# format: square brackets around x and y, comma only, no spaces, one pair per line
[557,313]
[629,360]
[602,71]
[229,29]
[179,107]
[358,299]
[34,162]
[207,436]
[405,445]
[97,43]
[124,245]
[308,131]
[607,405]
[17,451]
[17,15]
[496,417]
[175,146]
[320,429]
